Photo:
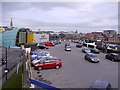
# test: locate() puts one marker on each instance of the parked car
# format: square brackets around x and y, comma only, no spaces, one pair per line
[56,42]
[49,43]
[86,50]
[94,50]
[76,41]
[100,85]
[67,44]
[34,56]
[48,63]
[91,57]
[43,54]
[42,46]
[79,45]
[35,51]
[39,60]
[113,56]
[68,48]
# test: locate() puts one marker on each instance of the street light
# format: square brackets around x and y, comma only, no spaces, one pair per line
[6,70]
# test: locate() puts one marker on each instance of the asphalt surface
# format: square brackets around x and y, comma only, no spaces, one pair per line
[76,72]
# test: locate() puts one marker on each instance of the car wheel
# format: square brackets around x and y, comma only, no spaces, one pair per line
[57,66]
[40,68]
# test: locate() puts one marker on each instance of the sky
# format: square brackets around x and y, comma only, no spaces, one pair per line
[57,16]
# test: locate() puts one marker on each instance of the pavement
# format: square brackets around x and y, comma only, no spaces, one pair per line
[76,72]
[13,56]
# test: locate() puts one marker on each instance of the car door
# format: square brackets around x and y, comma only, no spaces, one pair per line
[111,56]
[52,63]
[46,64]
[87,56]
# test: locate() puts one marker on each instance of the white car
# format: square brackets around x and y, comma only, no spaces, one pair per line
[33,57]
[47,53]
[68,48]
[39,59]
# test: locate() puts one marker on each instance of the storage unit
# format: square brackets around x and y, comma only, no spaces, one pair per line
[36,38]
[22,37]
[30,38]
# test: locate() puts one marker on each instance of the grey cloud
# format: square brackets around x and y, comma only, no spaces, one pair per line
[13,6]
[50,5]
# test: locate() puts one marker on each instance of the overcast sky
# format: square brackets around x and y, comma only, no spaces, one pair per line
[81,16]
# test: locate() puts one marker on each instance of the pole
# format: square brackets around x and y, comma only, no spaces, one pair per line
[6,61]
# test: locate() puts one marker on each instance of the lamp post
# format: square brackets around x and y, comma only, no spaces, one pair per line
[6,70]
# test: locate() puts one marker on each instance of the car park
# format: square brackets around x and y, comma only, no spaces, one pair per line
[113,56]
[100,85]
[48,63]
[91,57]
[86,50]
[94,50]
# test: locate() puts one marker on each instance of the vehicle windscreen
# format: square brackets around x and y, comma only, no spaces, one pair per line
[87,49]
[93,56]
[68,46]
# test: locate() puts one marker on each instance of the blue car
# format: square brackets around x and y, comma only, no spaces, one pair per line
[35,52]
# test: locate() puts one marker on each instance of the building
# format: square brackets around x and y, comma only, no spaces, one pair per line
[97,36]
[88,35]
[15,37]
[2,29]
[110,35]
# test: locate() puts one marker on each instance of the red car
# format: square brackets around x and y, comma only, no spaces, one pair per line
[49,63]
[48,43]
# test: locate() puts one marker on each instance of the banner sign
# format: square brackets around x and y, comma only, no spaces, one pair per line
[43,85]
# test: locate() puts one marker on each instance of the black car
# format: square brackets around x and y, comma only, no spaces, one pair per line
[113,56]
[56,42]
[67,45]
[42,46]
[94,50]
[91,57]
[100,85]
[86,50]
[79,45]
